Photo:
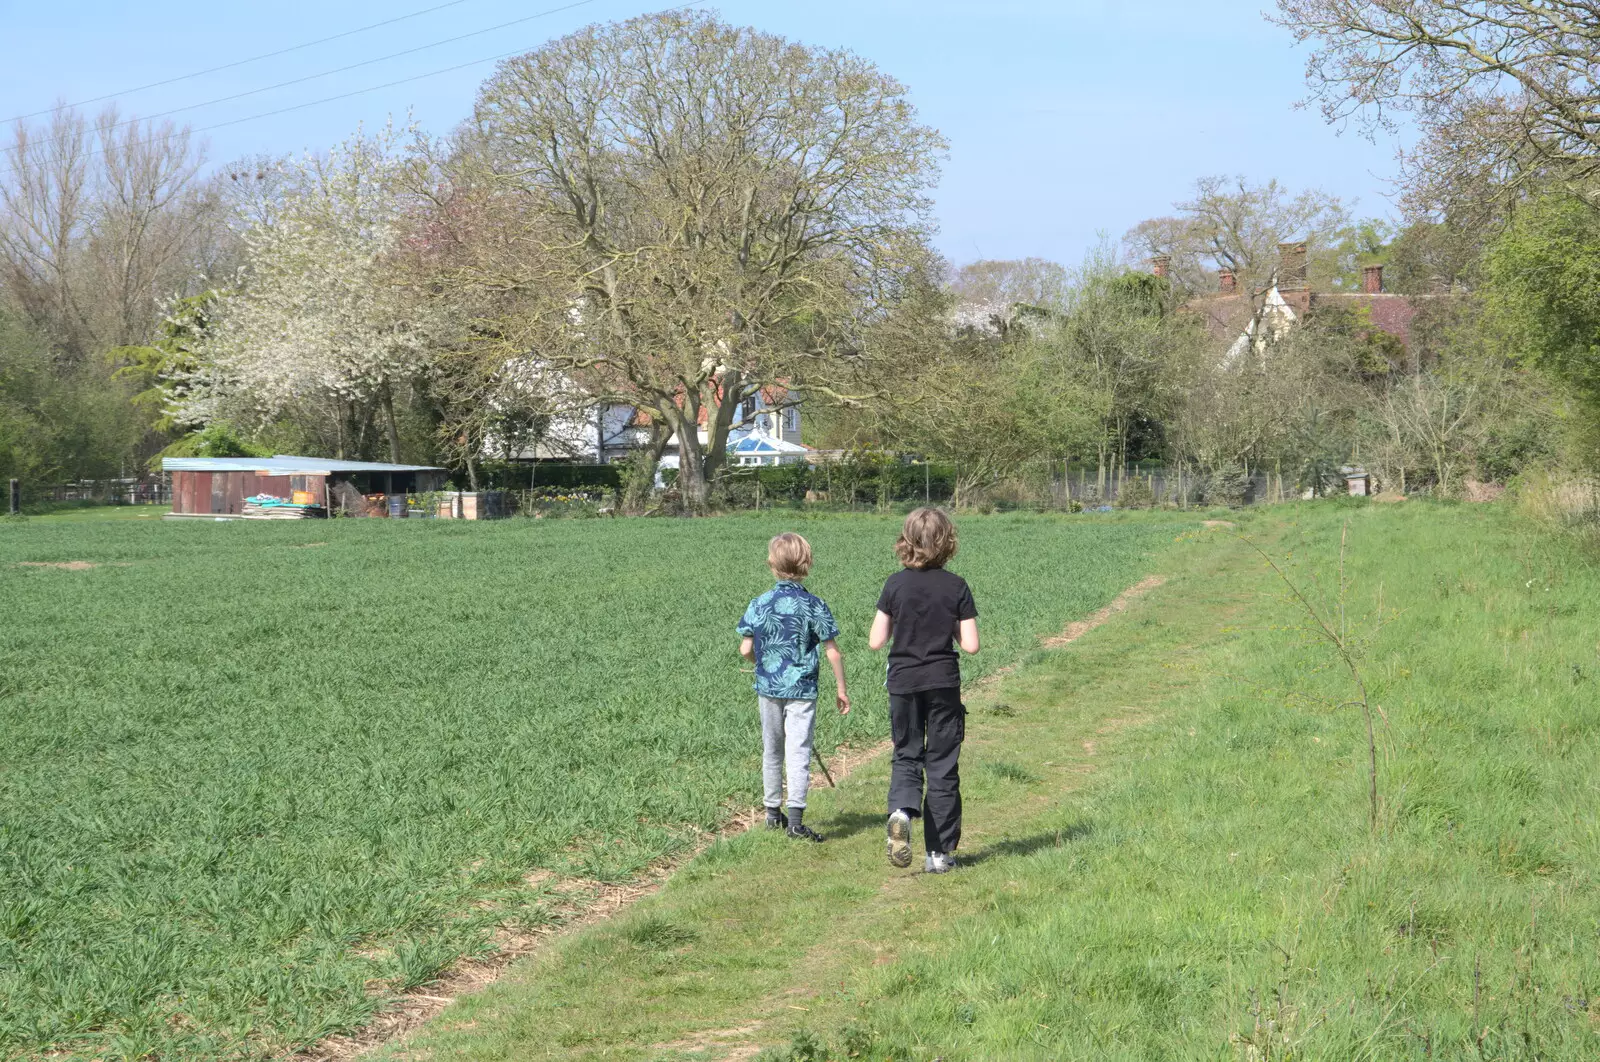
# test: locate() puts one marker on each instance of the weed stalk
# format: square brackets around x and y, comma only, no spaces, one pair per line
[1336,633]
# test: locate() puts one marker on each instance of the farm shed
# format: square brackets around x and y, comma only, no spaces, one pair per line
[218,486]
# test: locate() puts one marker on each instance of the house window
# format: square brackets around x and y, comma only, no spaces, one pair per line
[791,418]
[749,410]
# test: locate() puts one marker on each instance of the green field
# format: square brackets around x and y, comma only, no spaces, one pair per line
[1167,850]
[257,778]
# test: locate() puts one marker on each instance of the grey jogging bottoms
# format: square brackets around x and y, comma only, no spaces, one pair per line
[787,727]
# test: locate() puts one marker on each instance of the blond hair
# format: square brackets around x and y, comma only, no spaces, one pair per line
[928,539]
[789,556]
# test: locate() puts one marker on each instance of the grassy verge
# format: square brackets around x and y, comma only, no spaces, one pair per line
[1169,854]
[255,779]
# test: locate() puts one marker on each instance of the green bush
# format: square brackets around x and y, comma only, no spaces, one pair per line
[1226,485]
[1135,494]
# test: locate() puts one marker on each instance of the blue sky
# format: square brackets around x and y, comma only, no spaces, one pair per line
[1066,119]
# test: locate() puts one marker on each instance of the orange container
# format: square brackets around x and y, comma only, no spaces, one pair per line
[303,497]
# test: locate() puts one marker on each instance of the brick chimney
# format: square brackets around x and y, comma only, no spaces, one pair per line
[1372,279]
[1161,264]
[1230,283]
[1292,266]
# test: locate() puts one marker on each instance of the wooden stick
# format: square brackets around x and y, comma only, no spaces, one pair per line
[824,765]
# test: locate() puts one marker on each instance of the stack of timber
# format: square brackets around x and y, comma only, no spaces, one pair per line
[269,507]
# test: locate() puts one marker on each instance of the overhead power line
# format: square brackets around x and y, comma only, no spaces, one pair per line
[355,92]
[245,62]
[346,69]
[301,106]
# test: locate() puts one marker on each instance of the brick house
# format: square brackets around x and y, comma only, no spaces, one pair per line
[1249,320]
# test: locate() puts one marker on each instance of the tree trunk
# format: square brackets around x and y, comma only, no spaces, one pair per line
[386,396]
[692,486]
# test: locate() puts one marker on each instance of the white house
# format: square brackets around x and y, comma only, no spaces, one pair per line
[609,432]
[765,431]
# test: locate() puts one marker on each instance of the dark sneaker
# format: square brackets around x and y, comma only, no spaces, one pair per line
[900,839]
[777,820]
[805,833]
[939,863]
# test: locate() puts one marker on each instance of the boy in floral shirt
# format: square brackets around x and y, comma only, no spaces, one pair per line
[783,630]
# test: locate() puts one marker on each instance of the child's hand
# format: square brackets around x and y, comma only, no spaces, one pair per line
[844,703]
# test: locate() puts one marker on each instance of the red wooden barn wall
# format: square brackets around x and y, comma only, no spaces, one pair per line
[223,493]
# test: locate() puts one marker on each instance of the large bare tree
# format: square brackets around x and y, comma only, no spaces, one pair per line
[1009,282]
[1235,225]
[704,210]
[1504,88]
[102,223]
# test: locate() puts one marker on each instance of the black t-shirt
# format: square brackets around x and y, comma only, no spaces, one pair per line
[927,606]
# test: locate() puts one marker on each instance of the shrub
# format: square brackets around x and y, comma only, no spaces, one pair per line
[1136,494]
[1226,485]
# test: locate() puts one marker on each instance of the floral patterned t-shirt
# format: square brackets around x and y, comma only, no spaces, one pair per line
[788,625]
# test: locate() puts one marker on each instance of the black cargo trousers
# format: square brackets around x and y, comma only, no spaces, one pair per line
[928,728]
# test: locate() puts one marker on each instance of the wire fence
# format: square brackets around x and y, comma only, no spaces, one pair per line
[877,485]
[1044,485]
[99,492]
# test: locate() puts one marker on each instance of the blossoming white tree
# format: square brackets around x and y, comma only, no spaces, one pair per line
[324,315]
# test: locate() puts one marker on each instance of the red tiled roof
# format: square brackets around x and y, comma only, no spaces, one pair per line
[1387,313]
[1226,316]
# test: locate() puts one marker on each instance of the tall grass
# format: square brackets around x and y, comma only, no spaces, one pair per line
[1224,897]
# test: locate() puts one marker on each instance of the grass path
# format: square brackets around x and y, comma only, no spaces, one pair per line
[759,937]
[1167,852]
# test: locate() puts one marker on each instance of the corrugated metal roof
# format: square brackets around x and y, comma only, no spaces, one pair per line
[283,465]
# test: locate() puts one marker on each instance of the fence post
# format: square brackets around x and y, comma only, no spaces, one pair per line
[15,507]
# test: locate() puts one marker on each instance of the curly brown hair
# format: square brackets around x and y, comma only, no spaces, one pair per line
[928,539]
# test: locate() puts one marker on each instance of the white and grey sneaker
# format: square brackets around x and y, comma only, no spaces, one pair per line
[899,839]
[939,863]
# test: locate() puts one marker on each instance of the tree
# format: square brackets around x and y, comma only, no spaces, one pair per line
[988,404]
[100,225]
[1360,244]
[1543,285]
[1116,337]
[325,317]
[1500,88]
[1434,257]
[1035,282]
[1235,225]
[702,210]
[60,422]
[159,370]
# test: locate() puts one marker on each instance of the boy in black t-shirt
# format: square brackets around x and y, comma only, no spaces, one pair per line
[925,610]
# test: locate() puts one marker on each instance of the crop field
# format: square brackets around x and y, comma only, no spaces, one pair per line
[256,778]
